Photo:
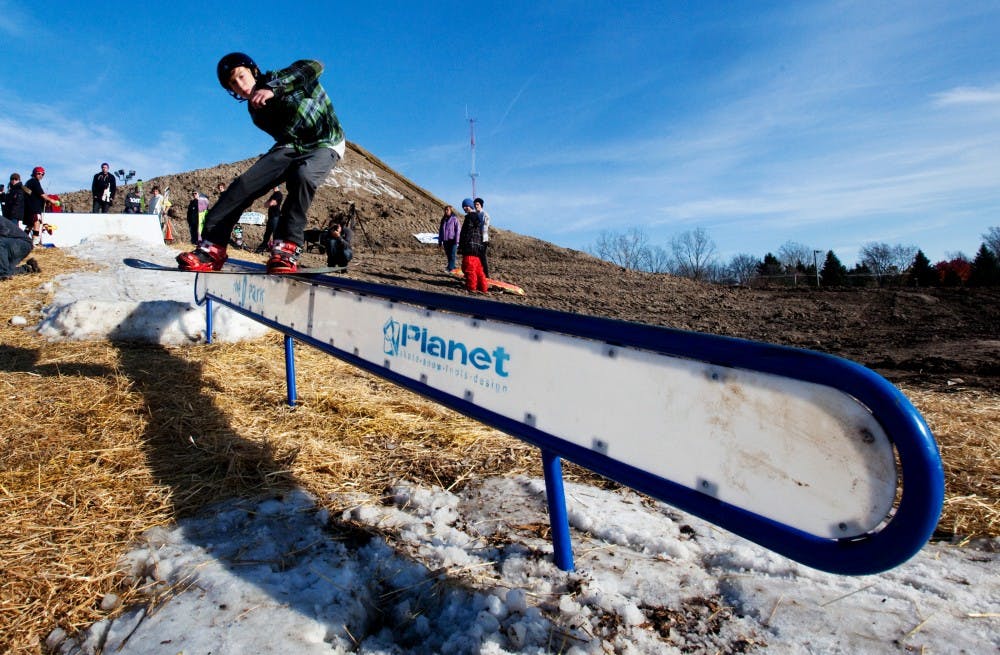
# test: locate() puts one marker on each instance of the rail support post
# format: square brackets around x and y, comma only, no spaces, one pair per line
[555,495]
[208,320]
[290,370]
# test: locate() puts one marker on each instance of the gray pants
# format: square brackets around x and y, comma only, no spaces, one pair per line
[12,251]
[301,174]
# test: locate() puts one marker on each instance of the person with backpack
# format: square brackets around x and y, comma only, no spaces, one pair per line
[292,106]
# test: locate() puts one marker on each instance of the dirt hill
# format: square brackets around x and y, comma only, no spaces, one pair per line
[933,337]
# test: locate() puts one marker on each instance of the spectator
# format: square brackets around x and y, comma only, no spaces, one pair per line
[202,211]
[337,242]
[15,245]
[13,208]
[133,201]
[448,236]
[470,244]
[192,218]
[156,201]
[103,190]
[34,204]
[480,203]
[273,213]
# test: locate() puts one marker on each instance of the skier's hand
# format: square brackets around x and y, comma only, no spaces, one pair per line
[260,97]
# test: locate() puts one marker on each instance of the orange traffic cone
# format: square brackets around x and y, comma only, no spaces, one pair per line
[168,233]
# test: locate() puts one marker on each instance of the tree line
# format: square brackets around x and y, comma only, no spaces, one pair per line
[693,254]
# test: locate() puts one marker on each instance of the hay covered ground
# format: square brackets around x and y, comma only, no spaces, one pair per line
[104,440]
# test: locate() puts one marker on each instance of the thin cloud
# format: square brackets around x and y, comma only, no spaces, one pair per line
[72,149]
[968,95]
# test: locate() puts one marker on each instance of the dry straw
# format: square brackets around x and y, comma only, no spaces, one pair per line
[102,441]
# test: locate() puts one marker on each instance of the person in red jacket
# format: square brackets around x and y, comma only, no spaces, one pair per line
[470,245]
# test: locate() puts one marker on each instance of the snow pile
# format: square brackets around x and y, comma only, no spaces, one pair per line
[472,573]
[125,304]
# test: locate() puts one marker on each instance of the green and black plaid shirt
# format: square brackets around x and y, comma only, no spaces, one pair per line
[300,114]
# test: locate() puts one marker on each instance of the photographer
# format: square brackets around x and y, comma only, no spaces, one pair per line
[337,241]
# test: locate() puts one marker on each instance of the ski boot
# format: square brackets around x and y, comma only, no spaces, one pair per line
[284,258]
[206,257]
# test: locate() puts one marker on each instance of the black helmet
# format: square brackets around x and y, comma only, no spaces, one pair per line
[230,62]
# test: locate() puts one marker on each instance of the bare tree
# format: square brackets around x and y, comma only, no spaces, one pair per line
[694,254]
[901,257]
[885,261]
[626,249]
[878,258]
[992,240]
[791,254]
[743,268]
[658,260]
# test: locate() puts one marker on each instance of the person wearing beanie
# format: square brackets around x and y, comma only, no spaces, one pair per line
[470,245]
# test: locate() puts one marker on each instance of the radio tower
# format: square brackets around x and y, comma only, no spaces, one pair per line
[472,142]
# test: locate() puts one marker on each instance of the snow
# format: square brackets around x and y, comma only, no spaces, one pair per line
[430,570]
[122,302]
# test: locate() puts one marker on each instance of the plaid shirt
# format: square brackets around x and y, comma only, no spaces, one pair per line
[300,114]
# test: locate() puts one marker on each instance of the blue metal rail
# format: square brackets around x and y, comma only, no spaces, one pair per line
[921,471]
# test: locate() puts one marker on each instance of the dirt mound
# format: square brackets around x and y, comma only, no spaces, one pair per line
[932,337]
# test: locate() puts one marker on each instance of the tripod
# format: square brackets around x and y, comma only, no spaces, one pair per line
[352,218]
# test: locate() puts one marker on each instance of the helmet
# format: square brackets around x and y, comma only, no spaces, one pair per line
[230,62]
[37,169]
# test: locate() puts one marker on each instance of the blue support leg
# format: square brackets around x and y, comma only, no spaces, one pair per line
[208,321]
[562,546]
[290,370]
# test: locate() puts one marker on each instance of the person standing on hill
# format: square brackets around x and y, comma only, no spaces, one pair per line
[103,190]
[470,245]
[292,106]
[448,236]
[479,204]
[273,214]
[192,218]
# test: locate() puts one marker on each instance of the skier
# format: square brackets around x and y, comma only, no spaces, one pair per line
[292,106]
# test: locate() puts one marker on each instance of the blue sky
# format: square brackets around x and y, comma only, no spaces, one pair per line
[830,124]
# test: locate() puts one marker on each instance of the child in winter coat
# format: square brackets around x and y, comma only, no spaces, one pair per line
[292,106]
[470,245]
